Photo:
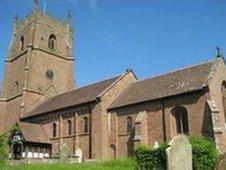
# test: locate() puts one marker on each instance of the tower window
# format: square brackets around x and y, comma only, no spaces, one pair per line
[223,87]
[69,127]
[54,129]
[22,43]
[129,123]
[85,124]
[181,118]
[223,91]
[52,42]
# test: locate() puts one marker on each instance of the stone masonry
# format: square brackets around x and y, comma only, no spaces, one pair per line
[106,119]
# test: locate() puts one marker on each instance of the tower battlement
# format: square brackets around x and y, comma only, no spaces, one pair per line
[39,63]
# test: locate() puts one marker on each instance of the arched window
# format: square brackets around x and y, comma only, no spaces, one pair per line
[52,42]
[69,127]
[54,129]
[129,124]
[85,124]
[223,87]
[112,151]
[22,43]
[181,118]
[223,91]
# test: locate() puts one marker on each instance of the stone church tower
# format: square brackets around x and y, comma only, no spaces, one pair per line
[39,64]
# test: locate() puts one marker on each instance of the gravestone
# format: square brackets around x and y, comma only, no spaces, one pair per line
[179,154]
[156,145]
[64,154]
[78,154]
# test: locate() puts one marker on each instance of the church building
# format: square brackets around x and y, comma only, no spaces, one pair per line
[106,119]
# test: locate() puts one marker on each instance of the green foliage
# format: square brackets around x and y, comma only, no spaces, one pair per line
[126,162]
[3,150]
[205,154]
[4,141]
[118,164]
[15,128]
[147,158]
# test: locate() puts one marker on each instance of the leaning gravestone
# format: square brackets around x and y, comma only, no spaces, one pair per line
[78,154]
[179,154]
[64,154]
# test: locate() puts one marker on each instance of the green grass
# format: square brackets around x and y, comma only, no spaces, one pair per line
[123,164]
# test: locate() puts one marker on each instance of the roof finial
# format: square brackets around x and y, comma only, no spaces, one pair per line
[35,5]
[218,52]
[69,16]
[16,18]
[44,7]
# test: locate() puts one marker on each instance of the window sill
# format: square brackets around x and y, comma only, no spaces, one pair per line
[54,138]
[124,134]
[84,134]
[69,136]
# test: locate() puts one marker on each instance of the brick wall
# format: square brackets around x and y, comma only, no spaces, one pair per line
[217,77]
[194,103]
[25,70]
[106,100]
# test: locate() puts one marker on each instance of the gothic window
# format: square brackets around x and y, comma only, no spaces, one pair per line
[181,118]
[22,43]
[129,124]
[52,42]
[54,129]
[85,124]
[69,127]
[223,87]
[223,90]
[112,151]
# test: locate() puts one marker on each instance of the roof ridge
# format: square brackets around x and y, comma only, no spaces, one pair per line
[176,70]
[99,81]
[74,91]
[87,85]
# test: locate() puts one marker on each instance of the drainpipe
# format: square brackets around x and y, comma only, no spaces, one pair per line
[163,121]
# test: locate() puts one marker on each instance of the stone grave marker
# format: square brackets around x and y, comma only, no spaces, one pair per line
[64,154]
[78,154]
[179,154]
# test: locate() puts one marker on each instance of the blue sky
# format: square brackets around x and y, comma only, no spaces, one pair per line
[148,36]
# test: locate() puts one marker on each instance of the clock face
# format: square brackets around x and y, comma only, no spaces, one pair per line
[49,74]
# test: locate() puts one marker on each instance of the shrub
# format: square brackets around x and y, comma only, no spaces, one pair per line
[147,158]
[3,151]
[4,141]
[204,153]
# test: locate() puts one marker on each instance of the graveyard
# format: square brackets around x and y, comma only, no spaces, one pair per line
[123,164]
[189,153]
[112,85]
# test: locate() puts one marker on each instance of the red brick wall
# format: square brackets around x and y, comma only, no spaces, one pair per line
[195,104]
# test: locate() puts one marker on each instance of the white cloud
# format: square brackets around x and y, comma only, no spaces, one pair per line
[93,4]
[73,1]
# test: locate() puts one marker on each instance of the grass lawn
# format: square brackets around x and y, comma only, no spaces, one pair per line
[125,164]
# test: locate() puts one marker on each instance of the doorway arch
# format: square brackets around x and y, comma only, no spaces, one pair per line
[112,151]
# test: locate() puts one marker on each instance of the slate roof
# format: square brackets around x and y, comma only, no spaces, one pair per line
[28,130]
[76,97]
[173,83]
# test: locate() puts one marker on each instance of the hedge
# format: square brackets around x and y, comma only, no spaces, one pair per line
[147,158]
[4,141]
[204,155]
[3,146]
